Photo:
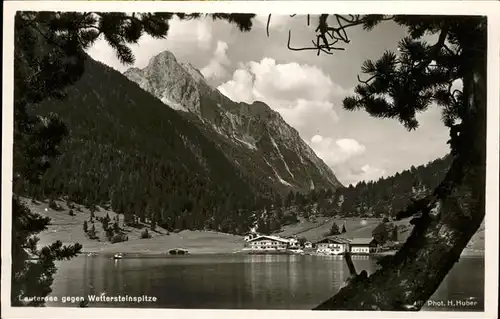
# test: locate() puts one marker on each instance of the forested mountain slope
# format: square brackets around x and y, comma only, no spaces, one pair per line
[127,149]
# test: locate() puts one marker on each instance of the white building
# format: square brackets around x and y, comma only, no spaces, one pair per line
[332,245]
[268,243]
[363,245]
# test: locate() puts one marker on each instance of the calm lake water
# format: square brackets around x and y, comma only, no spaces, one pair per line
[237,281]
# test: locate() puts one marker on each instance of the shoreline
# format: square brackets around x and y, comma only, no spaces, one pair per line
[211,252]
[68,229]
[465,253]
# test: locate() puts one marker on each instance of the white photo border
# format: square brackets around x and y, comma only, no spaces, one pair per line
[491,9]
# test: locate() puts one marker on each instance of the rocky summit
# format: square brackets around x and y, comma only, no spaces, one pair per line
[253,136]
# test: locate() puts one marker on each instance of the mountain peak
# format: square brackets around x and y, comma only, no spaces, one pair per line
[174,83]
[255,136]
[163,57]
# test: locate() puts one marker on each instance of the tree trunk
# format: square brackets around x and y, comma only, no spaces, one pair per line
[409,278]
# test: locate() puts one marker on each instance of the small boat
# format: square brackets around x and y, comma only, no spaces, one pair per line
[118,256]
[178,251]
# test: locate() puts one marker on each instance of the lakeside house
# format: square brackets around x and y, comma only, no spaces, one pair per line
[268,243]
[308,245]
[363,245]
[333,245]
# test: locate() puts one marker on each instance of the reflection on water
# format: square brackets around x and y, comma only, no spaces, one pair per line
[236,281]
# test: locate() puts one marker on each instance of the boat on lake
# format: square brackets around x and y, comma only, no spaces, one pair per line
[178,251]
[118,256]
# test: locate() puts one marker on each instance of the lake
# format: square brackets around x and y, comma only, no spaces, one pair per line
[237,281]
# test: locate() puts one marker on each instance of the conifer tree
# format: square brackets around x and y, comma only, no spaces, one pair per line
[93,232]
[33,278]
[116,227]
[381,233]
[334,230]
[109,233]
[394,235]
[449,73]
[145,234]
[105,223]
[290,199]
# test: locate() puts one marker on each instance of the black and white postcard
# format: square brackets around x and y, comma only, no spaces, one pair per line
[165,158]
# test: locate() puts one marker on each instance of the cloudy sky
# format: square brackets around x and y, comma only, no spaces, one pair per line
[306,89]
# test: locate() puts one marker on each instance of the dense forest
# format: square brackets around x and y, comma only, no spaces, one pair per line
[382,198]
[126,150]
[388,196]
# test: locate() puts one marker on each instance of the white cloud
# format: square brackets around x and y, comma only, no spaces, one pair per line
[353,173]
[299,92]
[308,115]
[203,33]
[350,146]
[216,68]
[183,36]
[273,82]
[335,152]
[344,156]
[240,87]
[369,173]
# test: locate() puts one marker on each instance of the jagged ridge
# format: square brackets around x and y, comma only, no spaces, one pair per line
[253,136]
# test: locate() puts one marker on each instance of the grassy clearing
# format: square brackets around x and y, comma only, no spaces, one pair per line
[196,242]
[356,228]
[69,230]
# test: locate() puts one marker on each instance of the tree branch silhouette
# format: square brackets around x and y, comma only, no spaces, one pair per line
[399,86]
[328,37]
